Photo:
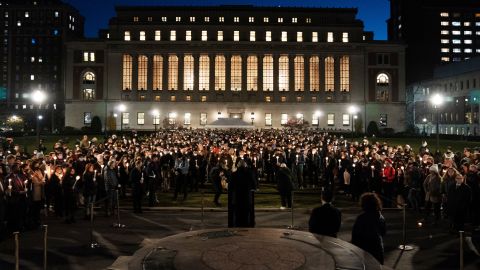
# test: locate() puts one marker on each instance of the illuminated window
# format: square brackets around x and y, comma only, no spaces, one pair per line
[330,37]
[173,35]
[444,32]
[314,73]
[299,36]
[127,72]
[125,118]
[456,41]
[252,73]
[299,73]
[126,36]
[345,74]
[382,79]
[27,14]
[265,19]
[157,72]
[236,73]
[268,119]
[142,35]
[382,87]
[456,24]
[32,77]
[236,35]
[220,35]
[314,36]
[445,59]
[456,32]
[283,119]
[142,72]
[164,19]
[140,118]
[173,98]
[283,73]
[468,50]
[444,41]
[467,33]
[206,19]
[178,19]
[345,37]
[308,20]
[157,98]
[204,35]
[172,72]
[135,19]
[314,99]
[444,14]
[187,119]
[251,19]
[268,73]
[299,99]
[331,119]
[457,50]
[188,35]
[88,57]
[236,19]
[204,73]
[280,20]
[268,36]
[203,119]
[329,74]
[444,23]
[203,99]
[188,75]
[221,19]
[252,35]
[445,50]
[158,35]
[467,41]
[188,98]
[192,19]
[283,99]
[220,73]
[346,119]
[294,20]
[284,36]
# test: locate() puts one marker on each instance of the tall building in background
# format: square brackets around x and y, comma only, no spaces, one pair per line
[33,36]
[435,32]
[267,66]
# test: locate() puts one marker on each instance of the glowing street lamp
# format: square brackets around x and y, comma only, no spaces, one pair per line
[437,100]
[38,97]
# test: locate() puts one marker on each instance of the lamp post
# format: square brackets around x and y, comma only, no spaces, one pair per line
[121,108]
[252,117]
[424,121]
[352,110]
[317,115]
[38,97]
[156,117]
[437,101]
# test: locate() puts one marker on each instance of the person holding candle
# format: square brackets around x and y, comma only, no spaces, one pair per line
[38,194]
[89,187]
[69,194]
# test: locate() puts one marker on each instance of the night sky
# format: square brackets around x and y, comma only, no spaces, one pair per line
[374,13]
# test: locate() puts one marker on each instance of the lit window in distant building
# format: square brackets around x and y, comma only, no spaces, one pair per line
[457,50]
[164,19]
[314,36]
[221,19]
[220,73]
[280,20]
[203,99]
[445,59]
[456,32]
[382,87]
[467,33]
[444,23]
[126,36]
[188,35]
[444,32]
[330,37]
[299,99]
[468,50]
[456,24]
[142,35]
[308,20]
[265,19]
[158,35]
[178,19]
[19,23]
[252,35]
[172,72]
[456,41]
[157,72]
[268,99]
[188,72]
[236,35]
[204,35]
[283,73]
[444,41]
[173,35]
[56,14]
[236,73]
[219,35]
[268,36]
[203,119]
[346,119]
[329,74]
[331,119]
[192,19]
[252,73]
[314,73]
[188,98]
[299,36]
[345,37]
[187,119]
[206,19]
[251,19]
[140,118]
[127,72]
[27,14]
[268,73]
[294,20]
[445,50]
[444,14]
[467,41]
[268,119]
[284,36]
[345,73]
[135,19]
[142,72]
[299,69]
[204,73]
[283,119]
[236,19]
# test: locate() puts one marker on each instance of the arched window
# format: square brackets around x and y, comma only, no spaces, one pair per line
[89,78]
[383,79]
[88,85]
[382,88]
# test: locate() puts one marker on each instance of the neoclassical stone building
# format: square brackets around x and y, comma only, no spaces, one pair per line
[265,65]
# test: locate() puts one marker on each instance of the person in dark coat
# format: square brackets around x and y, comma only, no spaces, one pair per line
[69,194]
[472,179]
[241,211]
[137,179]
[369,227]
[89,187]
[285,185]
[326,219]
[458,200]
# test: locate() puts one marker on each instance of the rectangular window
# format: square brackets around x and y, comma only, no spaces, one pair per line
[85,57]
[135,19]
[314,73]
[172,118]
[158,35]
[265,19]
[299,36]
[221,19]
[268,99]
[140,118]
[219,73]
[456,32]
[220,35]
[331,119]
[157,72]
[299,73]
[445,50]
[173,98]
[308,20]
[294,20]
[203,99]
[204,35]
[329,74]
[314,36]
[187,119]
[204,73]
[203,119]
[444,41]
[283,99]
[164,19]
[173,35]
[330,37]
[127,72]
[178,19]
[280,20]
[284,36]
[383,120]
[444,23]
[142,36]
[252,73]
[142,72]
[283,73]
[172,72]
[268,36]
[268,119]
[252,35]
[188,72]
[345,74]
[236,35]
[268,73]
[315,119]
[192,19]
[345,37]
[125,118]
[236,73]
[188,35]
[126,36]
[284,119]
[251,19]
[444,32]
[444,14]
[236,19]
[206,19]
[346,119]
[87,118]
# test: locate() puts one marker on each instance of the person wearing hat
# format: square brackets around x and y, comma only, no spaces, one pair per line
[432,187]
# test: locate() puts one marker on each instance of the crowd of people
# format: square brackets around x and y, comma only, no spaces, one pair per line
[62,180]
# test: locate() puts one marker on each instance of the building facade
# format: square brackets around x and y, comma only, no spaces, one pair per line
[436,32]
[265,65]
[32,44]
[459,85]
